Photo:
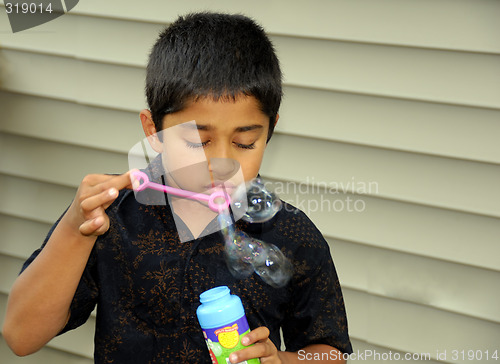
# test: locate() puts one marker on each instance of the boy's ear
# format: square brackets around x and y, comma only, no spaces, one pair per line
[277,118]
[150,130]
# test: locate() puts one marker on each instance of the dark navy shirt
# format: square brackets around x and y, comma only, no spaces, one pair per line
[146,285]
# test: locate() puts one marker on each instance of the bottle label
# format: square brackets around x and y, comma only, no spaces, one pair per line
[224,340]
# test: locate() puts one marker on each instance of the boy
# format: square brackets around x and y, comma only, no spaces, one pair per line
[108,249]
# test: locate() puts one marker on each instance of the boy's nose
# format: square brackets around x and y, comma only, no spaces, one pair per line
[223,169]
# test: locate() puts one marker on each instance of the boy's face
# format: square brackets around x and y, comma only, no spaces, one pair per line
[213,142]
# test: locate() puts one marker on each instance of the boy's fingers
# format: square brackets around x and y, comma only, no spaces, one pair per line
[259,350]
[103,182]
[121,181]
[100,200]
[260,333]
[263,347]
[97,192]
[104,193]
[96,226]
[92,180]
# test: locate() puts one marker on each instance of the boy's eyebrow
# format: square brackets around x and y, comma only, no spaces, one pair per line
[197,126]
[207,127]
[248,128]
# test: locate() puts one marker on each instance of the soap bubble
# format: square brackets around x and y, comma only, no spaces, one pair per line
[238,268]
[262,203]
[244,255]
[236,253]
[275,269]
[237,245]
[255,251]
[226,224]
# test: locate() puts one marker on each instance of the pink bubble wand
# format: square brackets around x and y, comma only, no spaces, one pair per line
[219,195]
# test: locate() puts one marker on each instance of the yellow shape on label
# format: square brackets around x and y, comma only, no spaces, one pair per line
[229,337]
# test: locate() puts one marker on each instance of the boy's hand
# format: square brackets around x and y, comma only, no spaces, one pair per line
[263,349]
[95,194]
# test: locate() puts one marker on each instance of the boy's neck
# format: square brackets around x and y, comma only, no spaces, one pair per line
[193,214]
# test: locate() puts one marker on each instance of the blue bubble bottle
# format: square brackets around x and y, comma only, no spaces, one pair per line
[223,321]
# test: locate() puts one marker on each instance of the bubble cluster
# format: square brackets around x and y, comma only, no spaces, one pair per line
[244,254]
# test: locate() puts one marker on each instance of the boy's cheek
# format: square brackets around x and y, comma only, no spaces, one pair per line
[251,168]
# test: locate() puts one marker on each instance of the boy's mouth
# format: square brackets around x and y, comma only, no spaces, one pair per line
[227,186]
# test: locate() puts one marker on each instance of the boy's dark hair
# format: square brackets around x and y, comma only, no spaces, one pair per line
[212,55]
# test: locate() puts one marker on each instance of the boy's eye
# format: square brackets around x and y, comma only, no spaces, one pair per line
[196,145]
[246,146]
[205,143]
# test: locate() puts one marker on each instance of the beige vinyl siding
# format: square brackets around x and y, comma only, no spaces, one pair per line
[392,108]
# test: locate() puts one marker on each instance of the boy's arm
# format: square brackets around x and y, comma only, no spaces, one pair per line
[40,299]
[265,349]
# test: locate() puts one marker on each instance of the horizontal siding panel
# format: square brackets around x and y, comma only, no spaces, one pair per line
[369,353]
[46,355]
[409,177]
[448,24]
[409,327]
[57,163]
[9,270]
[87,38]
[88,126]
[431,232]
[33,200]
[70,79]
[412,126]
[79,341]
[76,346]
[20,237]
[422,280]
[417,74]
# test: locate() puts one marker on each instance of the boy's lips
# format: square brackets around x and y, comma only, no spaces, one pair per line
[227,186]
